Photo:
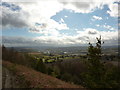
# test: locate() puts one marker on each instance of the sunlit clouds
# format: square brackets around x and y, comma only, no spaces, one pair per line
[59,23]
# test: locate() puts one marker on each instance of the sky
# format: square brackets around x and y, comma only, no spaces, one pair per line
[59,23]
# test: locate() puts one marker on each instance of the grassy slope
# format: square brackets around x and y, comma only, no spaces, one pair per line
[36,79]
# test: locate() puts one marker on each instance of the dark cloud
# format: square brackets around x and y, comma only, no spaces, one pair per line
[71,40]
[78,4]
[13,18]
[81,5]
[23,41]
[84,38]
[92,32]
[13,40]
[33,30]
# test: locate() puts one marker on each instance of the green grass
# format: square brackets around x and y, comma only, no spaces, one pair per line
[50,60]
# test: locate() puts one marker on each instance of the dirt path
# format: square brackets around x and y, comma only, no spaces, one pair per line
[0,76]
[8,80]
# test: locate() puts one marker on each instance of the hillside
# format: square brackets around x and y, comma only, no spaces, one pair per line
[29,78]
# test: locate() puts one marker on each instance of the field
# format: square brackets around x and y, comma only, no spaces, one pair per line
[72,68]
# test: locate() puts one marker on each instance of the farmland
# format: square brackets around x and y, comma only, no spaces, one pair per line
[68,66]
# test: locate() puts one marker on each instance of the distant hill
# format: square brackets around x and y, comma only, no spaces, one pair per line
[56,50]
[61,50]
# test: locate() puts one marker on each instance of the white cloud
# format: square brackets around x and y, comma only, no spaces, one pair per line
[90,33]
[61,21]
[32,13]
[79,6]
[65,16]
[84,6]
[46,32]
[98,25]
[108,27]
[107,36]
[49,28]
[113,10]
[97,18]
[76,29]
[41,12]
[83,37]
[38,11]
[87,6]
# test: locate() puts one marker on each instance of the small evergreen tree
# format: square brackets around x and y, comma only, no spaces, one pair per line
[94,77]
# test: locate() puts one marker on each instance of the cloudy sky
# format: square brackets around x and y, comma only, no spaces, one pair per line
[59,23]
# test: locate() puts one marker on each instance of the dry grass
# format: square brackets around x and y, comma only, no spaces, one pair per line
[34,53]
[38,79]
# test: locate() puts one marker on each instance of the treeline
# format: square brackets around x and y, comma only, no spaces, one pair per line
[9,54]
[90,73]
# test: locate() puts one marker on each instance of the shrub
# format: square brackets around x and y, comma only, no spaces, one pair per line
[66,77]
[40,66]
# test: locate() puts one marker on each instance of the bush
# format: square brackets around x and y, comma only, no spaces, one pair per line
[49,71]
[40,66]
[66,77]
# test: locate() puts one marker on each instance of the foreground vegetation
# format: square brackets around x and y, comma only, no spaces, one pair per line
[89,71]
[29,78]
